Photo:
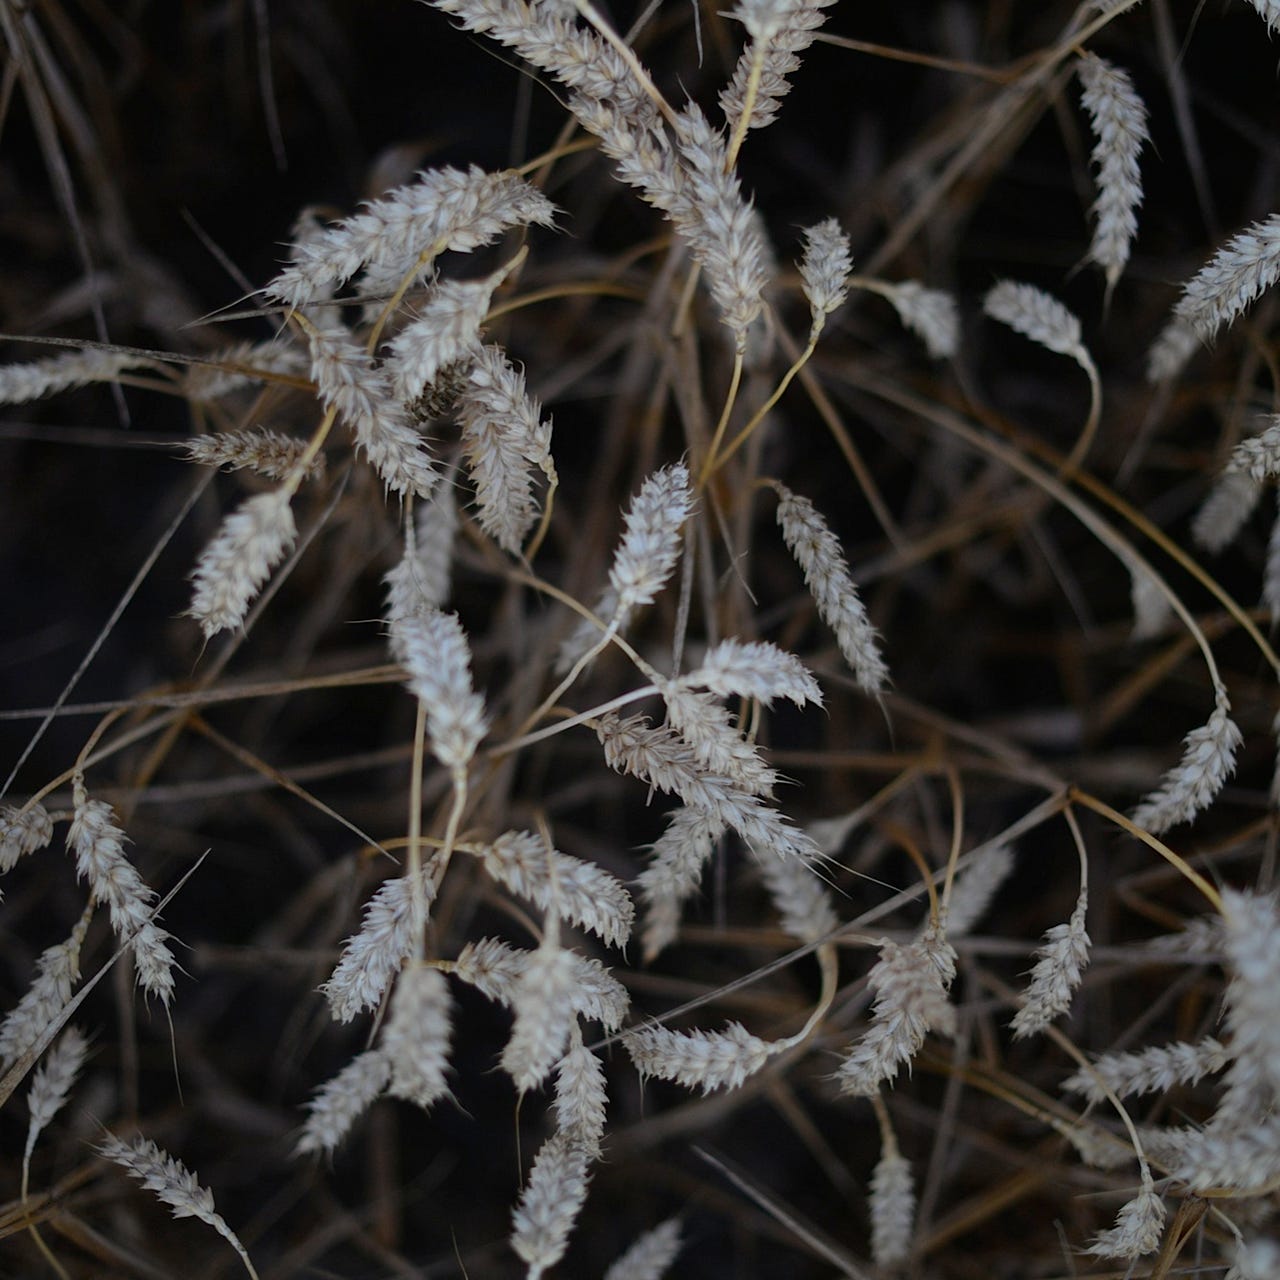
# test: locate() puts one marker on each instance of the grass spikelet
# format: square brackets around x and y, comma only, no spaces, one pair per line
[497,969]
[20,383]
[1225,511]
[233,567]
[1120,126]
[578,891]
[819,556]
[503,436]
[1139,1226]
[22,831]
[931,314]
[1246,266]
[706,1060]
[1059,967]
[550,1203]
[911,984]
[360,393]
[754,669]
[1155,1070]
[824,271]
[433,649]
[581,1098]
[673,874]
[372,957]
[780,31]
[975,887]
[268,453]
[421,580]
[341,1102]
[445,209]
[1269,12]
[52,1083]
[1208,760]
[649,1256]
[174,1184]
[1038,316]
[650,545]
[57,971]
[98,844]
[892,1209]
[802,900]
[544,1005]
[417,1035]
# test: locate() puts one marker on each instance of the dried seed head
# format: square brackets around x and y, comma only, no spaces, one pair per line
[650,1256]
[931,314]
[1139,1226]
[575,890]
[416,1039]
[1120,126]
[340,1102]
[824,270]
[550,1203]
[174,1184]
[650,543]
[433,649]
[818,554]
[1057,973]
[373,957]
[22,831]
[1036,315]
[911,985]
[1208,760]
[1232,279]
[233,567]
[706,1060]
[893,1209]
[98,844]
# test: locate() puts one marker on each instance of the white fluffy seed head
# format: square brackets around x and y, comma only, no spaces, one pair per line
[1232,279]
[754,669]
[433,649]
[372,957]
[581,1098]
[818,554]
[53,1081]
[931,314]
[416,1039]
[1225,511]
[824,270]
[339,1103]
[1208,760]
[420,582]
[98,844]
[174,1184]
[1057,973]
[911,984]
[649,1257]
[1139,1226]
[892,1209]
[1154,1070]
[576,890]
[232,568]
[650,543]
[1036,315]
[268,453]
[1120,126]
[58,969]
[22,831]
[706,1060]
[550,1203]
[544,1005]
